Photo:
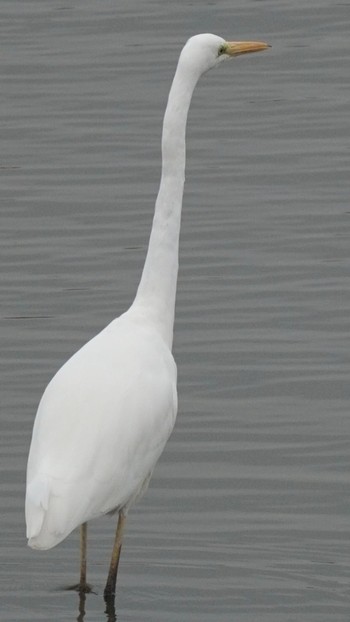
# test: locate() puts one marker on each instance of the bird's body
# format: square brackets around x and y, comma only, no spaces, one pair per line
[107,414]
[81,467]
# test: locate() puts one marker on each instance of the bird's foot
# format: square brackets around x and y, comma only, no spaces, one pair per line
[82,588]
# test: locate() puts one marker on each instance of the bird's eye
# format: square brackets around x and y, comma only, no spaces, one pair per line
[222,49]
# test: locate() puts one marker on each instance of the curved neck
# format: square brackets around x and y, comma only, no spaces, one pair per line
[156,293]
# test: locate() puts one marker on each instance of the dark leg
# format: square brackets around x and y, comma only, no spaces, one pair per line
[113,568]
[83,542]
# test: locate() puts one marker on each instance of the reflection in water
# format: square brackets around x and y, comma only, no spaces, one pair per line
[110,611]
[82,601]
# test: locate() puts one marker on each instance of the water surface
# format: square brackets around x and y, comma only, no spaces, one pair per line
[247,517]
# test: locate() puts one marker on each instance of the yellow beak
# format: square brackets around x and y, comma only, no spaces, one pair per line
[234,48]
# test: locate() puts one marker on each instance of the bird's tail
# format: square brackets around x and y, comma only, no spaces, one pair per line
[36,506]
[47,518]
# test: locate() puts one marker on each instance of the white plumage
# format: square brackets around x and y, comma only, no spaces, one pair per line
[82,466]
[107,414]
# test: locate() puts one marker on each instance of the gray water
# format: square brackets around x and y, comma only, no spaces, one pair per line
[247,517]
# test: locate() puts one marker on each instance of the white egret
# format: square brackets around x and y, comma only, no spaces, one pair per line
[105,417]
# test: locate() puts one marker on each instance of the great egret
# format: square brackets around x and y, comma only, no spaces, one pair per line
[105,417]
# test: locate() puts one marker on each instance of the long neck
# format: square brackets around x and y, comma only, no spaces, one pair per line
[156,293]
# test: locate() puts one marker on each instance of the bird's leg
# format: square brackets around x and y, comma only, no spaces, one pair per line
[82,586]
[109,591]
[83,543]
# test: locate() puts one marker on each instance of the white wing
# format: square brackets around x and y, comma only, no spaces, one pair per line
[101,426]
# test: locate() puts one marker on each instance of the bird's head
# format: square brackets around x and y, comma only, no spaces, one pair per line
[205,51]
